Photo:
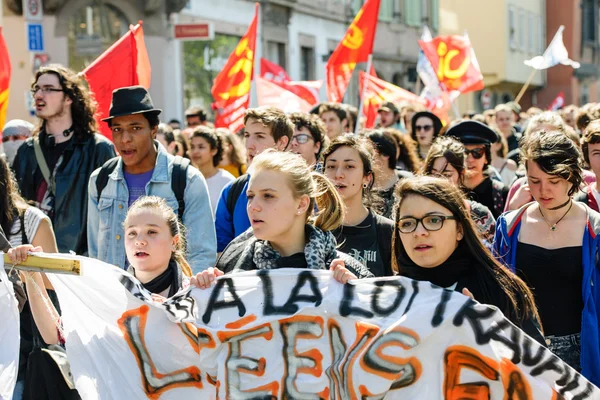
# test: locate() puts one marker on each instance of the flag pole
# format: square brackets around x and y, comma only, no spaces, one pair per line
[455,108]
[257,55]
[362,95]
[526,85]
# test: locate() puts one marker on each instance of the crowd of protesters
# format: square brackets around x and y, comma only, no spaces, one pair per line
[501,206]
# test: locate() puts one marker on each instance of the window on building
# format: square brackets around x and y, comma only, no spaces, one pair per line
[512,28]
[307,63]
[386,10]
[541,41]
[434,15]
[356,5]
[413,12]
[531,33]
[276,53]
[522,28]
[588,20]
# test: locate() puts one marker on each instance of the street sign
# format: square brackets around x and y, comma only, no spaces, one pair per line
[32,10]
[199,31]
[35,38]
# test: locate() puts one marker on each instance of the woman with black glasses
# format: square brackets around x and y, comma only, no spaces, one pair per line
[481,188]
[435,240]
[426,127]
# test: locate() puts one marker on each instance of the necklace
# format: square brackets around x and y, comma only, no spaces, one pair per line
[561,206]
[553,227]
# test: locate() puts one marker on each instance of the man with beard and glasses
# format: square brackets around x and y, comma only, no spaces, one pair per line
[480,187]
[54,165]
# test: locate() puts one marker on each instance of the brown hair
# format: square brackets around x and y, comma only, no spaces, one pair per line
[237,156]
[315,126]
[555,154]
[487,269]
[83,106]
[12,205]
[337,108]
[213,139]
[407,149]
[175,226]
[272,118]
[304,181]
[451,150]
[591,135]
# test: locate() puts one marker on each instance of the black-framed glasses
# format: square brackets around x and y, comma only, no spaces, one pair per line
[302,138]
[45,90]
[431,223]
[423,128]
[476,153]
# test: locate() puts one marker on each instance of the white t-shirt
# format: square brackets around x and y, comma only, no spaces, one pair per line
[33,216]
[215,184]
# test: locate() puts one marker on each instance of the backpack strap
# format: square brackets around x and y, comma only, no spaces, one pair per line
[24,239]
[179,182]
[42,164]
[105,171]
[235,192]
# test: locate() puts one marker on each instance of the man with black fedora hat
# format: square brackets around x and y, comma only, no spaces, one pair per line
[478,138]
[145,168]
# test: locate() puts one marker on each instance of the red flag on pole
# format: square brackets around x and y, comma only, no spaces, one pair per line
[354,48]
[272,94]
[378,92]
[5,71]
[231,89]
[273,72]
[453,60]
[558,102]
[306,90]
[125,63]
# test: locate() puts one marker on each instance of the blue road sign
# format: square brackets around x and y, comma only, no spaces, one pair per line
[35,38]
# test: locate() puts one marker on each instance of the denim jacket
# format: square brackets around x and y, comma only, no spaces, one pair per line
[105,229]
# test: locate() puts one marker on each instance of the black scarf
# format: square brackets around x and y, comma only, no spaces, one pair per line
[170,278]
[445,274]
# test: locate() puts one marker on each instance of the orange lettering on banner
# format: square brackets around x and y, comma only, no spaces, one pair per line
[133,326]
[240,323]
[198,337]
[460,357]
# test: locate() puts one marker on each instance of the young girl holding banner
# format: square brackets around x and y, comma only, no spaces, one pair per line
[151,227]
[435,240]
[286,232]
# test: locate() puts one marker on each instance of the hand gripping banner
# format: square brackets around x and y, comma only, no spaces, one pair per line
[296,333]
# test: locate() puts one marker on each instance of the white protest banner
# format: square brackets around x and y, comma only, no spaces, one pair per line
[300,334]
[9,337]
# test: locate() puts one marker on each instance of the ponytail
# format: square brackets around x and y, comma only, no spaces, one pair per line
[330,214]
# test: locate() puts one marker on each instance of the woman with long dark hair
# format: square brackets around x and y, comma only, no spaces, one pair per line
[435,240]
[552,243]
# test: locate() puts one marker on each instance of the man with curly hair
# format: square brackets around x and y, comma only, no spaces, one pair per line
[54,165]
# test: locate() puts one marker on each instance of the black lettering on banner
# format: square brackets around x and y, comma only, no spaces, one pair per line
[400,292]
[295,364]
[290,307]
[181,307]
[213,304]
[415,286]
[346,308]
[440,309]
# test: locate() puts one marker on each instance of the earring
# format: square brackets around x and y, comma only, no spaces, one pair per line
[364,185]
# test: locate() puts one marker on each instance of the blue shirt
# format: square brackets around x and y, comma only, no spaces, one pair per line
[229,226]
[136,184]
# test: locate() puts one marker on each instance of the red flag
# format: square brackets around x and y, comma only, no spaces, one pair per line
[453,60]
[231,89]
[125,63]
[378,92]
[354,48]
[558,102]
[272,94]
[5,71]
[307,90]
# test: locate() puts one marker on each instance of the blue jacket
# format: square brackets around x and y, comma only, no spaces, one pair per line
[230,226]
[105,230]
[508,226]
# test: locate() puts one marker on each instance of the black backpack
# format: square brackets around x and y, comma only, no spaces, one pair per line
[235,192]
[178,179]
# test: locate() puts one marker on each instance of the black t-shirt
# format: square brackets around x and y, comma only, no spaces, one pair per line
[369,242]
[484,194]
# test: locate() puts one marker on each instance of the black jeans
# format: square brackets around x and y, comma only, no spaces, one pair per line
[568,348]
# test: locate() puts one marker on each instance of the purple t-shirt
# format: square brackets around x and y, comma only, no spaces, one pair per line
[136,184]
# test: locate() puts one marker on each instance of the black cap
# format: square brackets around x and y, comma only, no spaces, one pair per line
[472,132]
[389,106]
[131,100]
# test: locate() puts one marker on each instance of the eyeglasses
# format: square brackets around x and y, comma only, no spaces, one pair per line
[431,223]
[476,153]
[423,127]
[302,138]
[45,90]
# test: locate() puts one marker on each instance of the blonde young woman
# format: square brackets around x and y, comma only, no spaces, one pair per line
[285,230]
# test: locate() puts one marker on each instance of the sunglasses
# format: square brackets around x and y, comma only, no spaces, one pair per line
[423,127]
[302,138]
[476,153]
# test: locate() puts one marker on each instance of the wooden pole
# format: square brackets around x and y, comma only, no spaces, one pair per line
[46,263]
[362,96]
[526,85]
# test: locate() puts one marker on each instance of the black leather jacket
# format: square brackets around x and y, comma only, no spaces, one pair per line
[83,156]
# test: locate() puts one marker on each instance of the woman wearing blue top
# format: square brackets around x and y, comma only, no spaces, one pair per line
[552,243]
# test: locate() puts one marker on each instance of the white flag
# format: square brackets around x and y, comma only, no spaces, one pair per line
[9,336]
[555,54]
[425,69]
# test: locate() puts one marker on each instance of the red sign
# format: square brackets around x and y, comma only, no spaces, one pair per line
[202,31]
